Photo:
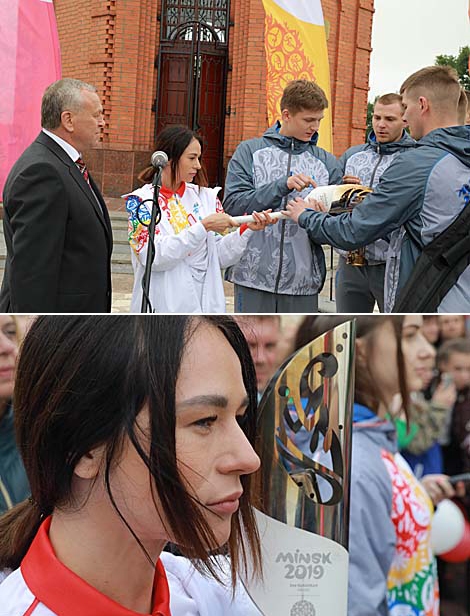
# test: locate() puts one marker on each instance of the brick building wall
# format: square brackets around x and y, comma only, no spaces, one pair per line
[114,45]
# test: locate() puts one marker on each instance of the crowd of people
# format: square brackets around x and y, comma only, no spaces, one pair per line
[413,218]
[152,442]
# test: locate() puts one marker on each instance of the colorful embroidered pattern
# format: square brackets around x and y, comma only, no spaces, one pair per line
[138,221]
[173,209]
[412,580]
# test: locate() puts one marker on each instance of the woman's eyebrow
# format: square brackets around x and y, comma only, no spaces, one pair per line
[204,400]
[214,400]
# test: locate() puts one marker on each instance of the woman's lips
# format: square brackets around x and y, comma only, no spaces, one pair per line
[7,372]
[225,507]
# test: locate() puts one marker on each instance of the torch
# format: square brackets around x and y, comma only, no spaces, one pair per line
[305,425]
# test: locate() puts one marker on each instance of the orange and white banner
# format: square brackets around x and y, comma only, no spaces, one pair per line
[295,42]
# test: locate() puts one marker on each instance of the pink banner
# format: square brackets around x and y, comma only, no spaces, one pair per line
[29,62]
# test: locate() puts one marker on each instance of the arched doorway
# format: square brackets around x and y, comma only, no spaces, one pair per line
[192,73]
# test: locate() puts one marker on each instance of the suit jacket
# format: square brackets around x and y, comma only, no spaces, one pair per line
[58,237]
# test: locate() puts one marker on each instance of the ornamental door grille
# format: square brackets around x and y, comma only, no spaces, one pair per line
[192,73]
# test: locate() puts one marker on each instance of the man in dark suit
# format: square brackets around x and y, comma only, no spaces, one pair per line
[57,229]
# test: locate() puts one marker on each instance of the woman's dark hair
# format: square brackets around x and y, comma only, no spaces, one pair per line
[366,391]
[173,140]
[81,382]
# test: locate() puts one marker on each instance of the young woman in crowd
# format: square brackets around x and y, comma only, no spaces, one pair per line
[135,431]
[392,568]
[190,248]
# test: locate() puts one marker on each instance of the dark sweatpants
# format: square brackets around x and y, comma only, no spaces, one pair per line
[358,288]
[253,301]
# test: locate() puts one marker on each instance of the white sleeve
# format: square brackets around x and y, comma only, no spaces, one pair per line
[194,594]
[169,249]
[230,247]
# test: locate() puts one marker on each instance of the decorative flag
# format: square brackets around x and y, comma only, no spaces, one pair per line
[30,61]
[295,42]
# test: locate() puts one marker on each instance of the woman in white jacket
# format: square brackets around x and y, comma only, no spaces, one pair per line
[190,249]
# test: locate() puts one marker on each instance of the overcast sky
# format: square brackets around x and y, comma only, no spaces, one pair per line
[409,34]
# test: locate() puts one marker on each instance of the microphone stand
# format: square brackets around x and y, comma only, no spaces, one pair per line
[154,219]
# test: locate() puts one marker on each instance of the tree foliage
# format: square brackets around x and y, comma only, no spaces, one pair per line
[459,62]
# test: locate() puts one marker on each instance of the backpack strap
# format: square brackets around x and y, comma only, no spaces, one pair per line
[438,267]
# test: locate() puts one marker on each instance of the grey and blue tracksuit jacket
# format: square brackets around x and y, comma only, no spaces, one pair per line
[367,162]
[281,258]
[419,196]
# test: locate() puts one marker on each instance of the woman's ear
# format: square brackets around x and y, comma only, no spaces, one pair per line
[89,465]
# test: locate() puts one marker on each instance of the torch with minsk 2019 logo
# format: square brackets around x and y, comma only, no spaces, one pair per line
[305,425]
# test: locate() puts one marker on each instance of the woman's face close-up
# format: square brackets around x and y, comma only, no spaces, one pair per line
[8,353]
[417,352]
[211,447]
[189,162]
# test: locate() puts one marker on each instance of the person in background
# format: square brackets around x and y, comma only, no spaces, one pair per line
[430,328]
[263,334]
[418,196]
[190,245]
[359,288]
[451,326]
[392,568]
[420,439]
[281,271]
[463,111]
[453,361]
[14,486]
[467,117]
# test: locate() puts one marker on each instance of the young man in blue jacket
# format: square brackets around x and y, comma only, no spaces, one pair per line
[281,271]
[420,194]
[359,287]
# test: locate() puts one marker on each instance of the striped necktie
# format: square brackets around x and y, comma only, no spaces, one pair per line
[84,171]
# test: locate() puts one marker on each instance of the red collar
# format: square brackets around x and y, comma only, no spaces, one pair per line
[167,193]
[66,594]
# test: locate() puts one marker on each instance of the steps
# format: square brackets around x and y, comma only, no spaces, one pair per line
[121,257]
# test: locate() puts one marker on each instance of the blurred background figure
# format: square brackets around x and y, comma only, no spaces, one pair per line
[391,511]
[431,329]
[14,486]
[454,363]
[451,326]
[263,334]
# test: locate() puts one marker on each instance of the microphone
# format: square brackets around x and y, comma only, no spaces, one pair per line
[159,159]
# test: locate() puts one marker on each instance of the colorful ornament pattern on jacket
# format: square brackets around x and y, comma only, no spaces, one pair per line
[179,214]
[412,579]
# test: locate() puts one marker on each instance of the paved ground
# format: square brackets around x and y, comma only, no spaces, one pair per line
[122,291]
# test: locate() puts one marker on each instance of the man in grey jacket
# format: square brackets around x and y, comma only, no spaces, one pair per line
[281,271]
[419,195]
[358,288]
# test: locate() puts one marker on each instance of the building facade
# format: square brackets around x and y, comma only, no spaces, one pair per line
[201,63]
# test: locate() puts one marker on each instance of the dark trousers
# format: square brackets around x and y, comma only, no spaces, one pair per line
[253,301]
[358,288]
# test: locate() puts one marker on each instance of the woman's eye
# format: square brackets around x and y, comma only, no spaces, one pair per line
[10,333]
[205,422]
